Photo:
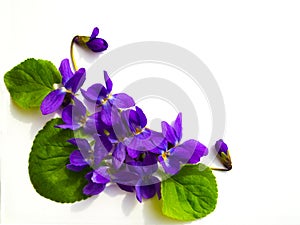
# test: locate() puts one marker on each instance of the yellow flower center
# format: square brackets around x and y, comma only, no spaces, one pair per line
[106,132]
[82,120]
[103,101]
[165,155]
[138,131]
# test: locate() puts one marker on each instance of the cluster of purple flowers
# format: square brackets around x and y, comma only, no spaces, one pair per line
[115,142]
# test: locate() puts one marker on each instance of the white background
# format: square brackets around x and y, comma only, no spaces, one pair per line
[251,47]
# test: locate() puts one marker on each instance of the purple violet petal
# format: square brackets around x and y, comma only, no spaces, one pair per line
[143,168]
[122,100]
[119,155]
[126,187]
[89,175]
[79,108]
[124,118]
[94,33]
[52,101]
[221,146]
[190,151]
[75,82]
[108,82]
[100,176]
[91,125]
[171,164]
[159,141]
[72,116]
[199,150]
[95,93]
[150,164]
[158,190]
[140,142]
[149,169]
[142,117]
[69,126]
[75,168]
[146,190]
[77,159]
[106,114]
[125,177]
[135,167]
[183,153]
[93,188]
[178,126]
[73,141]
[118,130]
[97,45]
[82,144]
[138,193]
[133,121]
[133,153]
[66,115]
[103,143]
[101,149]
[144,135]
[157,151]
[65,71]
[169,133]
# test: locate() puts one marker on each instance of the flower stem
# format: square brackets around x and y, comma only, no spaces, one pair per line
[220,169]
[72,54]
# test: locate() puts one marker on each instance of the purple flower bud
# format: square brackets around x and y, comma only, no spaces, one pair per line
[92,42]
[221,146]
[223,153]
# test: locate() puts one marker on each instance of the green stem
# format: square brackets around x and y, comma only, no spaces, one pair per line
[220,169]
[72,54]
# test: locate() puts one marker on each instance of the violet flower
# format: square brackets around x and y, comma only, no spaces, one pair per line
[138,176]
[118,155]
[62,96]
[141,137]
[74,116]
[97,180]
[148,185]
[223,154]
[101,96]
[133,138]
[172,154]
[93,43]
[86,155]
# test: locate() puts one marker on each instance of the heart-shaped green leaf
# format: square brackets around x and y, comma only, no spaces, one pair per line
[29,82]
[191,194]
[47,165]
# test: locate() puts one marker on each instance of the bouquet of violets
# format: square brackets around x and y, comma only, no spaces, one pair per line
[101,138]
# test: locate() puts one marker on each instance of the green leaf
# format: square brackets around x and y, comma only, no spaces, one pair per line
[29,82]
[47,165]
[191,194]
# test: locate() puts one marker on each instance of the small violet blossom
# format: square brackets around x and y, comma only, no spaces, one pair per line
[97,180]
[71,82]
[93,43]
[134,138]
[141,136]
[138,176]
[85,155]
[172,153]
[223,153]
[74,116]
[101,96]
